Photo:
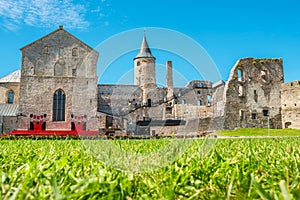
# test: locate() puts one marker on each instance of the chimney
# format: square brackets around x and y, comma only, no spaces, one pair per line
[169,82]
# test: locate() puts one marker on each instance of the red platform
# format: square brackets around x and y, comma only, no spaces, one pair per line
[37,123]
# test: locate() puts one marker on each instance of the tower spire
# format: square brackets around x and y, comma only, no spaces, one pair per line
[145,51]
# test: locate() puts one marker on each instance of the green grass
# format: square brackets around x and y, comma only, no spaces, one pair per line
[234,169]
[261,132]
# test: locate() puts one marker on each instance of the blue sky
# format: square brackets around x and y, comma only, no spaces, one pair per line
[227,30]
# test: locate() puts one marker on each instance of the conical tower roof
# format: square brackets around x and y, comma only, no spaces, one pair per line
[145,51]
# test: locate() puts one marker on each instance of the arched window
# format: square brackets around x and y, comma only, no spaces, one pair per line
[59,101]
[138,63]
[10,97]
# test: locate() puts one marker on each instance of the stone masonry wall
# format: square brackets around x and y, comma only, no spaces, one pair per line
[58,61]
[290,98]
[253,94]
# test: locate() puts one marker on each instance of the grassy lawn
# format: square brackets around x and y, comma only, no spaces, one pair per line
[234,169]
[261,132]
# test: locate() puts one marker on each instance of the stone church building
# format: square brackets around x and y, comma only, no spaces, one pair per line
[58,80]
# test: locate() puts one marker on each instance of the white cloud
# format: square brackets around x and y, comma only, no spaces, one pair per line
[44,14]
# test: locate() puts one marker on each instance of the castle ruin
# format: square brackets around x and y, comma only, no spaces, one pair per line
[58,78]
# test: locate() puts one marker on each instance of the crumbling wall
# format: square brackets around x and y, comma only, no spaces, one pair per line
[118,99]
[290,98]
[252,94]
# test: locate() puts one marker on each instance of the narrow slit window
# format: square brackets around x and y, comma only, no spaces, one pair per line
[241,91]
[208,100]
[199,103]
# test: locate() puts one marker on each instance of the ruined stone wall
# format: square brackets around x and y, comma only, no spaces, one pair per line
[194,101]
[118,99]
[58,61]
[218,99]
[290,101]
[5,88]
[218,105]
[196,96]
[252,94]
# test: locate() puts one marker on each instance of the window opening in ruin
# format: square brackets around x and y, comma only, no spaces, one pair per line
[149,102]
[183,101]
[74,72]
[242,114]
[240,75]
[208,100]
[287,124]
[168,111]
[59,101]
[266,112]
[201,85]
[255,96]
[291,84]
[108,121]
[198,92]
[264,75]
[199,103]
[10,97]
[241,91]
[253,116]
[138,63]
[295,104]
[74,52]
